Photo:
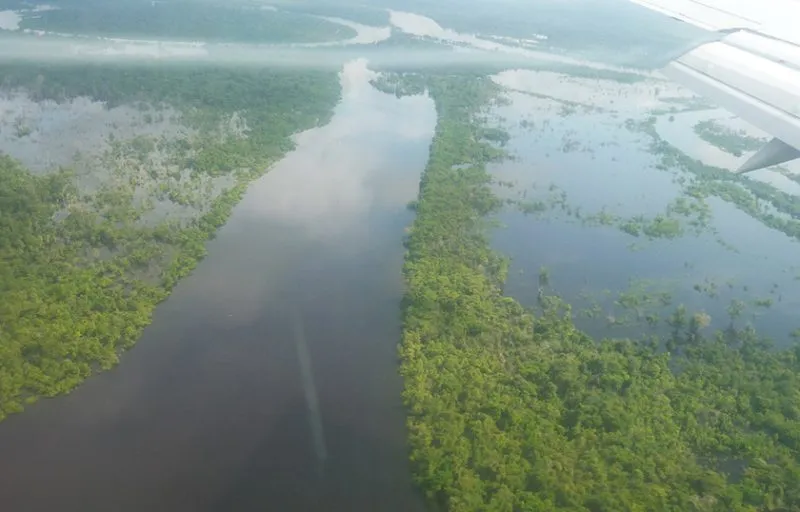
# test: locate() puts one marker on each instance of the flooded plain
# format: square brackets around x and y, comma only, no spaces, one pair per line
[576,150]
[268,379]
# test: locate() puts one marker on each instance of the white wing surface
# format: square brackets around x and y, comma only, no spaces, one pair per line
[753,70]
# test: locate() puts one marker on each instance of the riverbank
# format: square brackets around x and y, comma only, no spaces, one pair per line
[511,410]
[97,235]
[268,379]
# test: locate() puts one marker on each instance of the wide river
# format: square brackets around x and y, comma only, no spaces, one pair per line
[268,380]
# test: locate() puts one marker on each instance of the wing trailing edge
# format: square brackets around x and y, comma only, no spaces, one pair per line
[753,70]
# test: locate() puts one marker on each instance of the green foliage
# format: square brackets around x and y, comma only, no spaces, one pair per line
[684,214]
[400,84]
[662,227]
[272,102]
[186,20]
[509,412]
[735,143]
[751,196]
[80,275]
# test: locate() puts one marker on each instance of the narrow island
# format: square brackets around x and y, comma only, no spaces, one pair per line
[511,410]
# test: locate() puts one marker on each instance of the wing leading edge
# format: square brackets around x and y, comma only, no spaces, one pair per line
[753,70]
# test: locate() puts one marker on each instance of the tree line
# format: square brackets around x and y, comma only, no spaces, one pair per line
[79,273]
[510,410]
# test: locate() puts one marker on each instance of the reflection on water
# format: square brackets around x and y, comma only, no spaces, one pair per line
[598,164]
[680,133]
[211,410]
[591,94]
[332,183]
[422,26]
[582,153]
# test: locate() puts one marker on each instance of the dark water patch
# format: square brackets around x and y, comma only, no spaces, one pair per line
[594,194]
[210,410]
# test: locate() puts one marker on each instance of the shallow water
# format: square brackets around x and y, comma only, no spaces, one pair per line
[423,26]
[599,165]
[268,380]
[680,133]
[55,132]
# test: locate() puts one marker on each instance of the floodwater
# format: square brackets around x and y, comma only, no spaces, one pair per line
[60,130]
[675,132]
[599,165]
[268,380]
[48,46]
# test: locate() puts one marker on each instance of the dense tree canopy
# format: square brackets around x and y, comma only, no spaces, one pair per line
[510,411]
[80,274]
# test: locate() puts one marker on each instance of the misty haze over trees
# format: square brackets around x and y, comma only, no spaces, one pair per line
[567,302]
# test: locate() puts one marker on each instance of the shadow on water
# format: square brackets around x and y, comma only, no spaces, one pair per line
[294,478]
[210,411]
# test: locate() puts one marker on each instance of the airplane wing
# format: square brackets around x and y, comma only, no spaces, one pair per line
[753,70]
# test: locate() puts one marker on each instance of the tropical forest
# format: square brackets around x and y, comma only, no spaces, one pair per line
[324,255]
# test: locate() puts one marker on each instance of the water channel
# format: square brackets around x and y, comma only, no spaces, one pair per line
[599,165]
[268,380]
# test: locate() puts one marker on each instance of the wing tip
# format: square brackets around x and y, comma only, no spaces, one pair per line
[774,152]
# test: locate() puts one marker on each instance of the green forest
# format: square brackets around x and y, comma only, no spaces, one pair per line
[186,20]
[735,143]
[512,410]
[749,195]
[508,409]
[80,273]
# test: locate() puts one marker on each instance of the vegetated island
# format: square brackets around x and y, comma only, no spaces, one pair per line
[88,250]
[774,208]
[511,410]
[728,140]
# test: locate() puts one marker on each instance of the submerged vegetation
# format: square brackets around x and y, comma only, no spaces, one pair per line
[683,215]
[772,207]
[733,142]
[81,269]
[689,213]
[509,410]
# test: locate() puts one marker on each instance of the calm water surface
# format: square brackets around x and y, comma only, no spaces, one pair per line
[268,380]
[599,164]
